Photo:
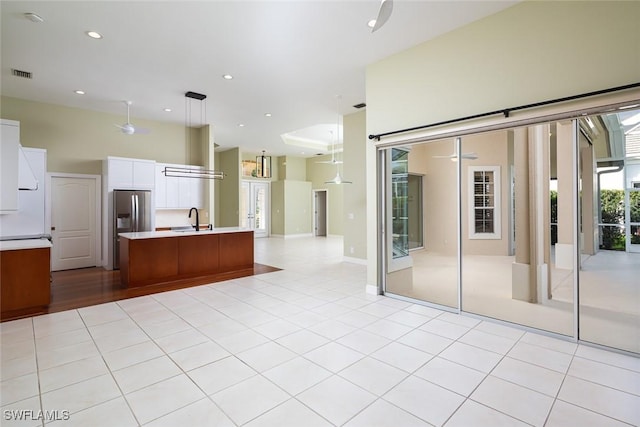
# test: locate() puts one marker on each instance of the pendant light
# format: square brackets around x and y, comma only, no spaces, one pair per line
[338,178]
[186,171]
[263,169]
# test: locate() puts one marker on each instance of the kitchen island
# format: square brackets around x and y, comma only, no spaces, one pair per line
[153,257]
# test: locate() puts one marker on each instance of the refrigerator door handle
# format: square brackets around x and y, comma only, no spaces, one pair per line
[133,212]
[137,214]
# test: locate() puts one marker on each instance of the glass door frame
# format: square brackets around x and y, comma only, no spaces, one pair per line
[250,203]
[631,248]
[386,263]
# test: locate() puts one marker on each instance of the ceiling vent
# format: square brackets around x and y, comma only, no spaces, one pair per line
[361,105]
[20,73]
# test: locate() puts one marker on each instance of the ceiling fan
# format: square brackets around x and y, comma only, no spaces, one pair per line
[386,7]
[128,128]
[454,156]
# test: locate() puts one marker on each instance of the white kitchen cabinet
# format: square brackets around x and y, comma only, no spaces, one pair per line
[179,192]
[161,187]
[130,174]
[9,154]
[144,174]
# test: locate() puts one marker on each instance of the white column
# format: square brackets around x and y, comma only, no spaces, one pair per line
[566,182]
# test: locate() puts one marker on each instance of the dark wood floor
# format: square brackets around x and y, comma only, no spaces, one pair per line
[89,286]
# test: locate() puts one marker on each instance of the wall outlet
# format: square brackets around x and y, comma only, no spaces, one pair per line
[351,250]
[350,215]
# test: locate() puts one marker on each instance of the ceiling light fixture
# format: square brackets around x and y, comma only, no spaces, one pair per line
[227,77]
[240,125]
[267,114]
[338,178]
[79,92]
[94,34]
[263,169]
[33,17]
[167,110]
[186,172]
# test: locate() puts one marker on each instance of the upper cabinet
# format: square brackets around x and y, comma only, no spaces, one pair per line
[130,174]
[9,155]
[178,192]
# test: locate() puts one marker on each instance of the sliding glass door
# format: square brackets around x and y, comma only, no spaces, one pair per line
[536,225]
[422,194]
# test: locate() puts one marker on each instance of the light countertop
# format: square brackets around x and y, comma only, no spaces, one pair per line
[12,245]
[161,234]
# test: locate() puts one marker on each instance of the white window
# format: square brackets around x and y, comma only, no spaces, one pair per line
[484,202]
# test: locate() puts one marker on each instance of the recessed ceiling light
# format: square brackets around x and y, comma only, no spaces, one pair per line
[79,92]
[94,35]
[167,110]
[227,77]
[267,114]
[371,23]
[241,125]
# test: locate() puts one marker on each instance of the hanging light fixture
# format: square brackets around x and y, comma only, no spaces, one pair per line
[187,172]
[263,169]
[338,178]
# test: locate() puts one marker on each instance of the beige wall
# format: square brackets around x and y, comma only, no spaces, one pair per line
[277,208]
[297,207]
[291,208]
[228,189]
[355,204]
[318,174]
[78,140]
[531,52]
[293,168]
[439,188]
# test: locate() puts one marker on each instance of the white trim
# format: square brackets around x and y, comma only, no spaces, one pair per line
[353,260]
[497,205]
[251,223]
[291,236]
[371,289]
[100,259]
[326,210]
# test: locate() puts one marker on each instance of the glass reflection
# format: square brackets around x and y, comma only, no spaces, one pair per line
[517,256]
[424,265]
[610,251]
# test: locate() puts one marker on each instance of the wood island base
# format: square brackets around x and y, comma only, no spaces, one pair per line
[153,257]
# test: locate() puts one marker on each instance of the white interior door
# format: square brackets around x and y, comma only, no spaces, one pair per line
[254,207]
[320,212]
[73,223]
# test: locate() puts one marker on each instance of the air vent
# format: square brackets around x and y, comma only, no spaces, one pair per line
[361,105]
[20,73]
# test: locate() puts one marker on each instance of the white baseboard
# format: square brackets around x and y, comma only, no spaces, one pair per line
[372,289]
[353,260]
[291,236]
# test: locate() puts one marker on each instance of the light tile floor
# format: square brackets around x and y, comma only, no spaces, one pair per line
[305,346]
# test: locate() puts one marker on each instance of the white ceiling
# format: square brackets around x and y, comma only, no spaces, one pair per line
[288,58]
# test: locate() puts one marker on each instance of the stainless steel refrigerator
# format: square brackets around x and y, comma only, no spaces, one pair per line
[131,213]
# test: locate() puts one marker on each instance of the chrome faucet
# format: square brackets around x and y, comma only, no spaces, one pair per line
[197,226]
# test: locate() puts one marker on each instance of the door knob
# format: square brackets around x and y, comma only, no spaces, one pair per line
[53,229]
